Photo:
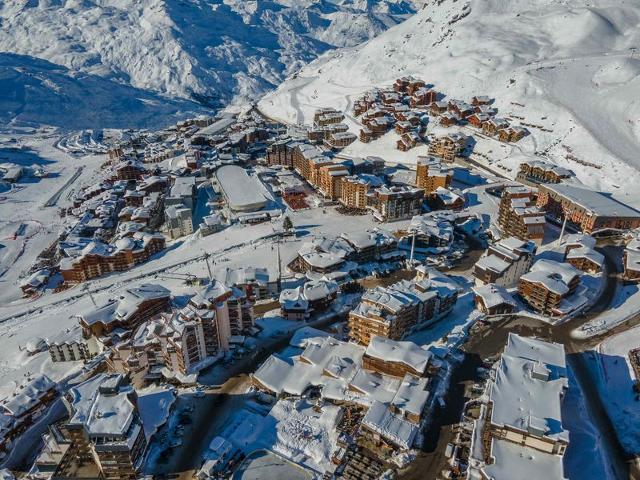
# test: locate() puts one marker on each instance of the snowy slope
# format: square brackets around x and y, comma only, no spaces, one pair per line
[37,92]
[567,66]
[210,51]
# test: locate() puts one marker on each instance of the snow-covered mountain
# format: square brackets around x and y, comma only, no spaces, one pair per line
[569,68]
[209,51]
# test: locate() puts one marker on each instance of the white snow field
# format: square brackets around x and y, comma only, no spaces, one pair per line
[207,51]
[567,69]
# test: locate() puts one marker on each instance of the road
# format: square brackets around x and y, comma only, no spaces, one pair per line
[56,196]
[225,396]
[488,341]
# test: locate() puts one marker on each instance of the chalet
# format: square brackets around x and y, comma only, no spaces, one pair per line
[511,134]
[444,199]
[492,126]
[478,119]
[404,127]
[493,300]
[438,107]
[480,100]
[448,119]
[340,140]
[327,116]
[130,309]
[586,259]
[423,97]
[408,141]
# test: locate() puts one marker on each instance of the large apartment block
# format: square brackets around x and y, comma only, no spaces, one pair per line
[518,215]
[524,413]
[105,426]
[395,311]
[430,175]
[396,203]
[589,210]
[548,286]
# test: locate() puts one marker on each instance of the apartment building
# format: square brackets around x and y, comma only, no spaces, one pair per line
[355,190]
[393,312]
[98,258]
[105,426]
[524,426]
[23,407]
[396,358]
[178,221]
[330,180]
[548,286]
[535,172]
[257,283]
[448,147]
[202,329]
[589,210]
[518,215]
[125,312]
[504,262]
[393,203]
[631,260]
[430,174]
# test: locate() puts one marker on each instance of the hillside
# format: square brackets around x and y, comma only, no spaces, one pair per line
[37,92]
[567,68]
[209,51]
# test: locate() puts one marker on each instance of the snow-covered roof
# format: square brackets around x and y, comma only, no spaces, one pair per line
[320,363]
[529,386]
[597,203]
[517,462]
[493,295]
[369,238]
[248,275]
[407,353]
[391,427]
[579,239]
[110,415]
[125,305]
[210,294]
[412,395]
[555,276]
[492,263]
[549,167]
[242,191]
[27,395]
[303,336]
[587,253]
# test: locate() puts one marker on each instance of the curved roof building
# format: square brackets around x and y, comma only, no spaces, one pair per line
[243,192]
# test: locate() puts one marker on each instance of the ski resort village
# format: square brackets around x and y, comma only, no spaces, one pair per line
[353,241]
